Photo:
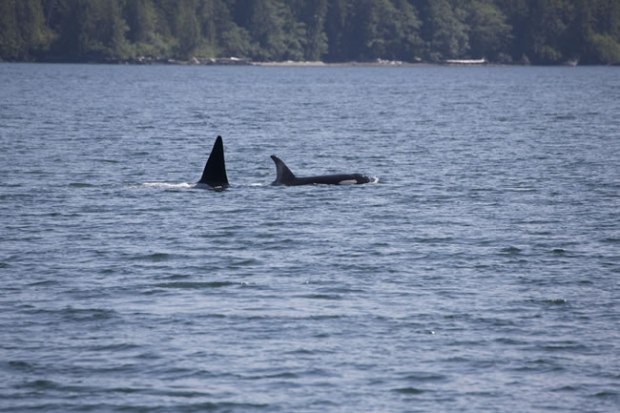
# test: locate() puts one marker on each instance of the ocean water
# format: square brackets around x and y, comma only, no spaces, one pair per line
[480,274]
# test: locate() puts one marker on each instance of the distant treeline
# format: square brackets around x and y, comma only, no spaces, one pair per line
[504,31]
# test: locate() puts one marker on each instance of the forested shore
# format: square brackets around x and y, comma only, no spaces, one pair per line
[213,31]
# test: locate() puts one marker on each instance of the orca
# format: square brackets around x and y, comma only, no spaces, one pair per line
[287,178]
[214,174]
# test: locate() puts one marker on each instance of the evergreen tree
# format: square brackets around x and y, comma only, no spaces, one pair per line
[232,39]
[266,28]
[336,22]
[444,30]
[517,13]
[313,14]
[294,32]
[12,46]
[536,31]
[141,20]
[23,33]
[548,30]
[383,29]
[401,31]
[101,30]
[207,21]
[187,30]
[489,33]
[599,31]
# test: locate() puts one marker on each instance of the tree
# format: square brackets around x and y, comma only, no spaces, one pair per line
[401,29]
[384,29]
[517,14]
[549,20]
[11,44]
[489,33]
[537,31]
[186,26]
[596,31]
[141,20]
[231,39]
[294,32]
[313,14]
[274,32]
[101,30]
[444,30]
[22,29]
[335,26]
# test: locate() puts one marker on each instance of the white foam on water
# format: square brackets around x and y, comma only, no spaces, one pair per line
[167,185]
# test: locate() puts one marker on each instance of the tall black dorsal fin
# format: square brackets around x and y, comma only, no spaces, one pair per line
[214,173]
[284,175]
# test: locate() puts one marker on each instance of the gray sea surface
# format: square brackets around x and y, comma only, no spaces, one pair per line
[480,274]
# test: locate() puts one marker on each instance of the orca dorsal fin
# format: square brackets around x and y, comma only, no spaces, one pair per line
[214,173]
[284,176]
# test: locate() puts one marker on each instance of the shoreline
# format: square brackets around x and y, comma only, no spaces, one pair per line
[233,61]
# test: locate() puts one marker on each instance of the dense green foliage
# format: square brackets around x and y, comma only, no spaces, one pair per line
[536,31]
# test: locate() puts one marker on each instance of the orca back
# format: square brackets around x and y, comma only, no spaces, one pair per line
[284,176]
[214,173]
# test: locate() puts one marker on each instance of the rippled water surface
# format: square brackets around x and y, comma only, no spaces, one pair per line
[479,275]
